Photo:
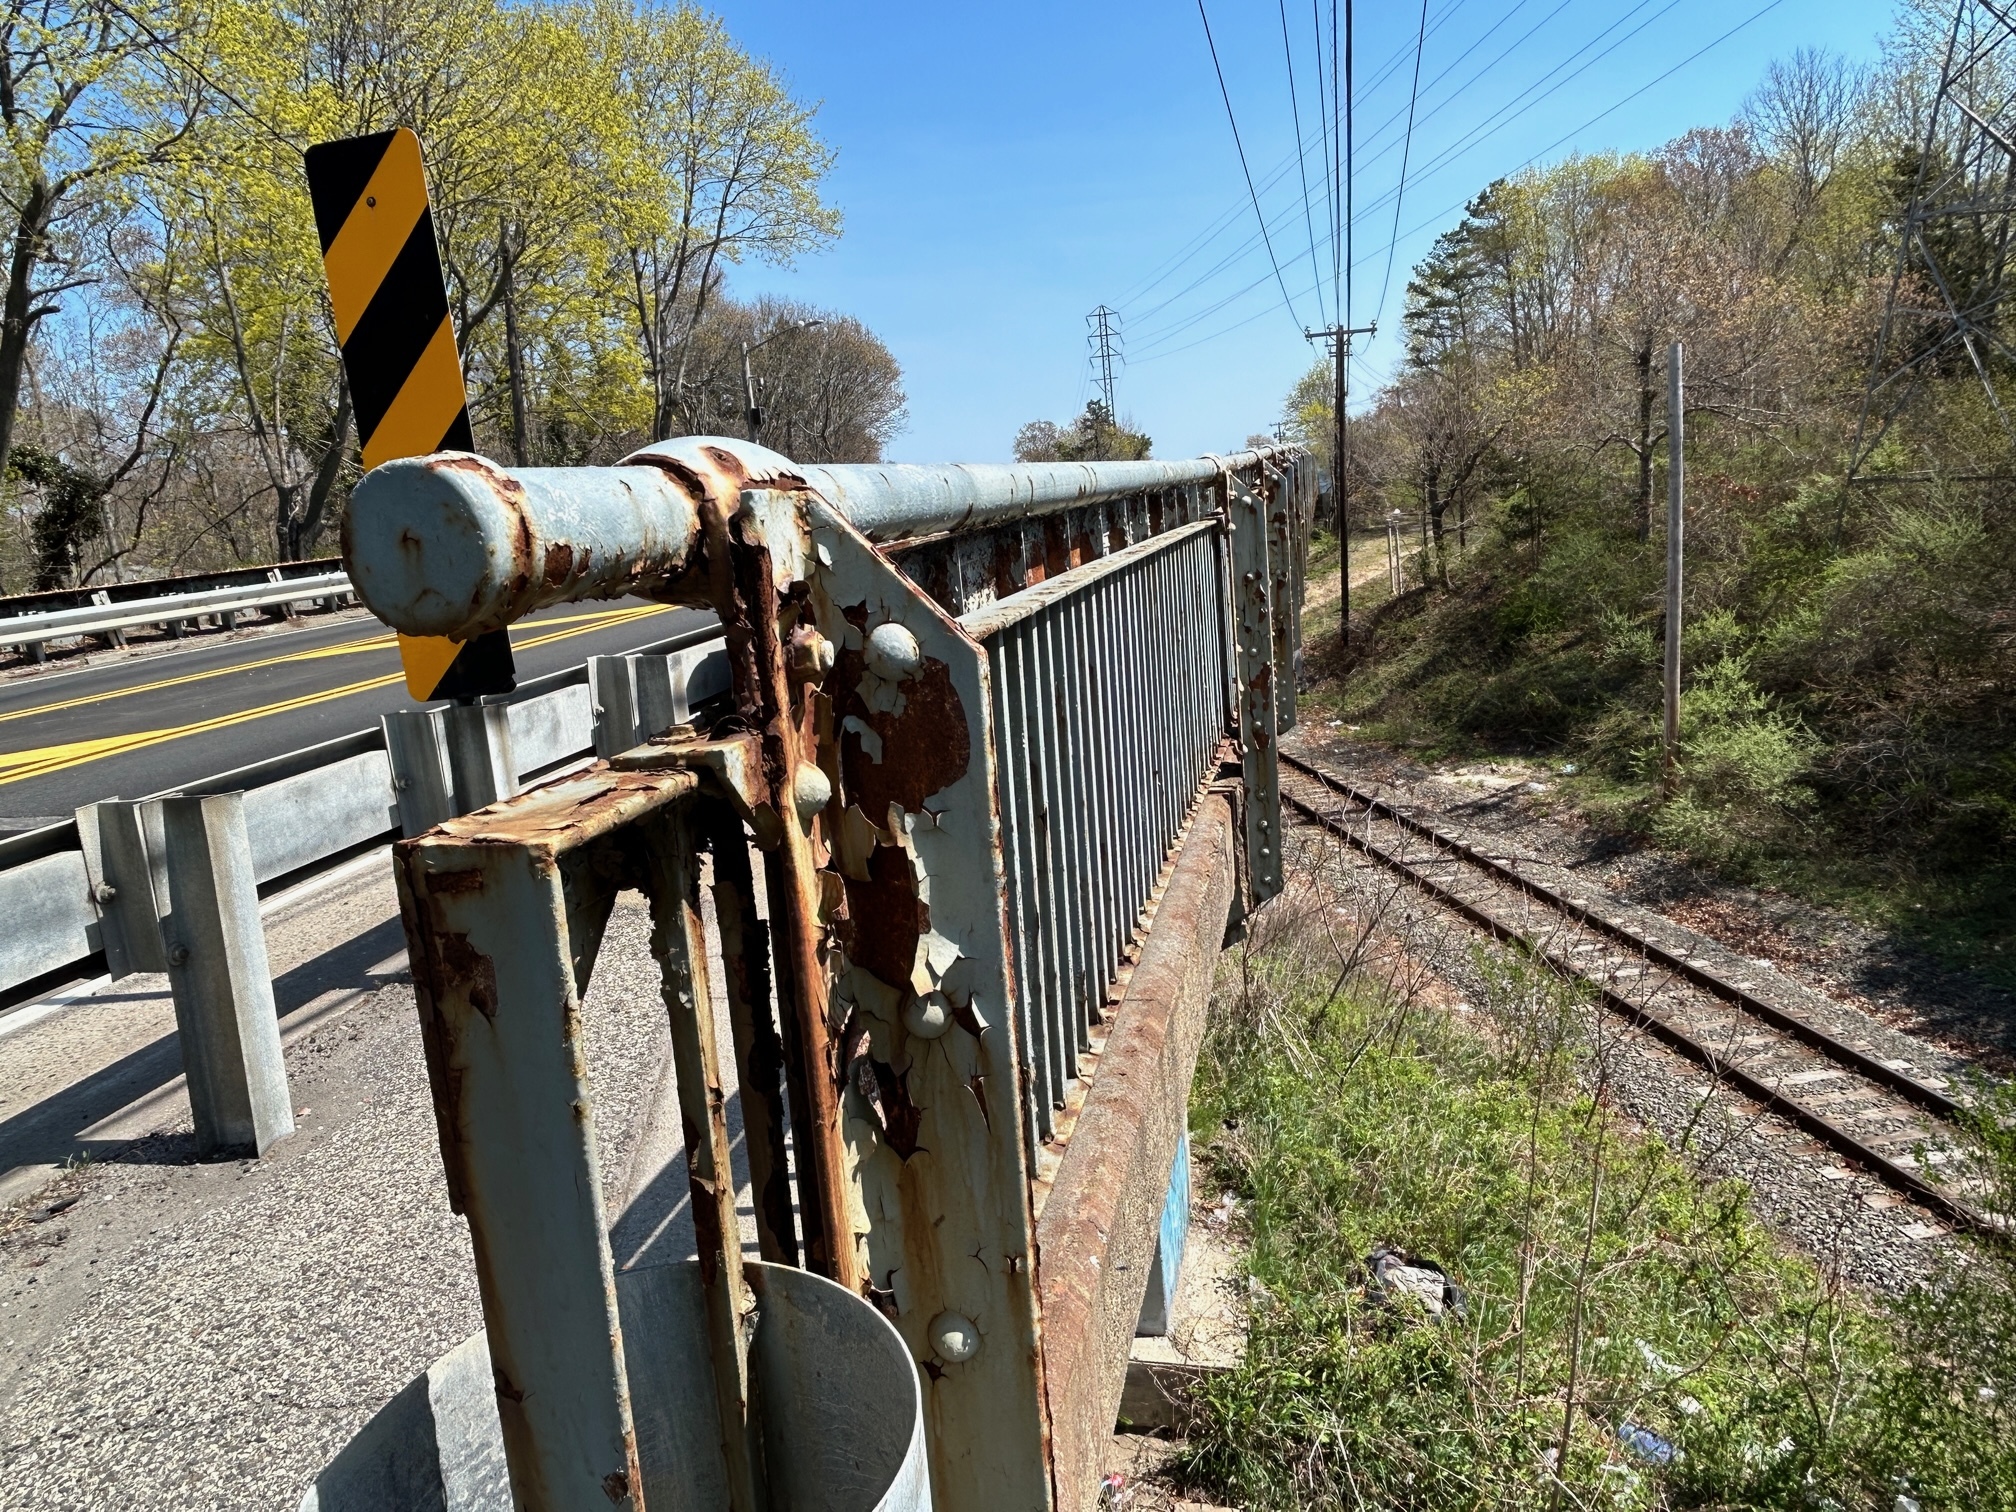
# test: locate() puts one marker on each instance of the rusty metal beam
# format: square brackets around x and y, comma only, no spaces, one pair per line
[497,976]
[1096,1238]
[663,857]
[759,1051]
[1253,636]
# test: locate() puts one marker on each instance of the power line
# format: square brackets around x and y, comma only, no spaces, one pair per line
[1252,193]
[1608,110]
[1406,150]
[1227,217]
[1336,164]
[1472,138]
[1350,167]
[1301,157]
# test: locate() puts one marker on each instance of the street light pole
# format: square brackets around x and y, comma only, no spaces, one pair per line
[754,414]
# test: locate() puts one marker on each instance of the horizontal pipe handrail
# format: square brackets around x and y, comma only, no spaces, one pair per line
[454,544]
[891,502]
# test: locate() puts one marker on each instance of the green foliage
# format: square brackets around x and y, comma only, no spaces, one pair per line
[69,514]
[1095,436]
[1587,1253]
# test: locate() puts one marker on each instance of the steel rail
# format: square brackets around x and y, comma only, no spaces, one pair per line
[1929,1098]
[1800,1114]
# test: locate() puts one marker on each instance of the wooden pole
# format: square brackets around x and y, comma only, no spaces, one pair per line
[1676,485]
[1340,484]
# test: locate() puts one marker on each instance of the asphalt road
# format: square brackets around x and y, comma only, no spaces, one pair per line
[126,728]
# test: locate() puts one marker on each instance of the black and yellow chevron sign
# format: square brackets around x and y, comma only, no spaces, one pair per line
[391,305]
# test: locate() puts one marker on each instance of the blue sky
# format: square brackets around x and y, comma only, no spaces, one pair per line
[1005,168]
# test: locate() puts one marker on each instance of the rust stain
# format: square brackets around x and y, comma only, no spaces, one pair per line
[511,494]
[463,965]
[925,748]
[886,917]
[453,884]
[730,464]
[706,1215]
[1056,549]
[559,563]
[1007,562]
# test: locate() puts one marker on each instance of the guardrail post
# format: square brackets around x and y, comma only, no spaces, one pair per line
[124,860]
[417,749]
[115,638]
[612,688]
[218,973]
[660,683]
[479,754]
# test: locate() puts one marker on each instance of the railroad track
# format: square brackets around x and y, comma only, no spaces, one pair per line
[1865,1109]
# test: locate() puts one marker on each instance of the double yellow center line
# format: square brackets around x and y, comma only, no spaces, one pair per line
[41,761]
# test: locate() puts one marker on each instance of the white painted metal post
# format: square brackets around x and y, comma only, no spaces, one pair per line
[416,748]
[217,971]
[479,754]
[1676,521]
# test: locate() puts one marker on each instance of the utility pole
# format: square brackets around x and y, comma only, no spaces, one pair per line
[1339,338]
[755,412]
[1676,519]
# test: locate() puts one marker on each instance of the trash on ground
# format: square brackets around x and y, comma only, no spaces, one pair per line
[1646,1445]
[1397,1274]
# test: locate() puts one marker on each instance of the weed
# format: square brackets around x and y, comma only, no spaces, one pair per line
[1617,1305]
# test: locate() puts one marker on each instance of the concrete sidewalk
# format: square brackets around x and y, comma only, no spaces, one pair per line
[205,1335]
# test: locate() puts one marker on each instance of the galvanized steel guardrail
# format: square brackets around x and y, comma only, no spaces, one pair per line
[69,906]
[109,618]
[972,711]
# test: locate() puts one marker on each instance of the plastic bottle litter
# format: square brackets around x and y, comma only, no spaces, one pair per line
[1654,1361]
[1646,1445]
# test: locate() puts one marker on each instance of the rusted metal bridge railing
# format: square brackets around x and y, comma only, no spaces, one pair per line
[1002,739]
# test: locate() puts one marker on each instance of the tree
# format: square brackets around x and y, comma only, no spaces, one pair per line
[1450,432]
[735,168]
[830,391]
[1094,436]
[73,76]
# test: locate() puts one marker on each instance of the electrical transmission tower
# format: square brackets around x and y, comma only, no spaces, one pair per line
[1104,340]
[1944,317]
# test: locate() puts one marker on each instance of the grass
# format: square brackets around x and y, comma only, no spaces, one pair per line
[1610,1293]
[1787,781]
